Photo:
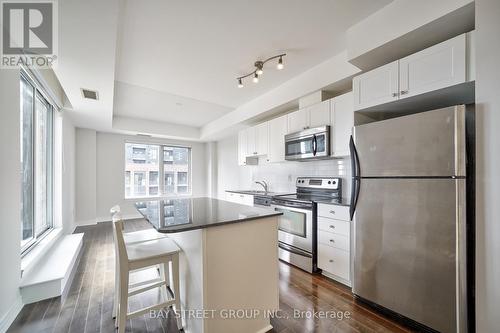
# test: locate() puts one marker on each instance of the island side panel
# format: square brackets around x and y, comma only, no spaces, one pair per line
[191,277]
[241,273]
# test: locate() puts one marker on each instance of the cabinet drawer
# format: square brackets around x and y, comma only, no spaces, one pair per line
[333,240]
[334,212]
[334,261]
[335,226]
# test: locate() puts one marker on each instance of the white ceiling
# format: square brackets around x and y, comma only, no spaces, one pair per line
[192,51]
[146,57]
[139,102]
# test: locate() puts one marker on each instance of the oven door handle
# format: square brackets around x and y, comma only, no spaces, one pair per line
[294,250]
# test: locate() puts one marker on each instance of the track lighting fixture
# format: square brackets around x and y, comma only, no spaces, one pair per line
[259,69]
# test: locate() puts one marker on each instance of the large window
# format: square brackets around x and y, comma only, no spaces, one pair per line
[36,163]
[156,170]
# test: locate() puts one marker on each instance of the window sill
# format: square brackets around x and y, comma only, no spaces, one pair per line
[39,250]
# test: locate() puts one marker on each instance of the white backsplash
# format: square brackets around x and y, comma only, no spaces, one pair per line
[281,176]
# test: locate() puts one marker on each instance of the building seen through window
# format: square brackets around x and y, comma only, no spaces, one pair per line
[143,170]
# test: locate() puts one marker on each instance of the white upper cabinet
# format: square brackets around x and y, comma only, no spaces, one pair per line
[251,141]
[319,114]
[342,122]
[443,65]
[262,138]
[437,67]
[298,120]
[277,131]
[242,147]
[375,87]
[312,116]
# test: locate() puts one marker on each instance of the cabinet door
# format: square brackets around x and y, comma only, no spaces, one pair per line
[377,86]
[277,131]
[319,114]
[242,147]
[251,142]
[262,138]
[246,199]
[342,116]
[298,120]
[436,67]
[233,197]
[334,261]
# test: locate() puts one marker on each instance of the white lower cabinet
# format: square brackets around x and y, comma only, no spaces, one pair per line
[334,242]
[240,198]
[335,263]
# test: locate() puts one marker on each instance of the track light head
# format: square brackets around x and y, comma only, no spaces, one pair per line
[255,78]
[240,83]
[280,65]
[260,67]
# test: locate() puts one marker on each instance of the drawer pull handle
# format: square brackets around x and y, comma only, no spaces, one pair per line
[332,226]
[332,212]
[331,240]
[331,260]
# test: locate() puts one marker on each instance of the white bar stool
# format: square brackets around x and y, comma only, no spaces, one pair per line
[131,238]
[162,252]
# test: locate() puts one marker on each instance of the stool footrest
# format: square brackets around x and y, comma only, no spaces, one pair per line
[146,288]
[149,308]
[142,283]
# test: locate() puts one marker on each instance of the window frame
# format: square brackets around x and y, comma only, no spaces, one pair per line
[38,92]
[161,171]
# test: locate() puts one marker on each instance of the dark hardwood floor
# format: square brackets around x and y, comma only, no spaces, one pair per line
[88,304]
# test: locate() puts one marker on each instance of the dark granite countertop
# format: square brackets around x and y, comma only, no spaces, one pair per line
[184,214]
[338,202]
[258,193]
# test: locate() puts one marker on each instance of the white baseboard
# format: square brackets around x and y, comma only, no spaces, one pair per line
[85,222]
[11,315]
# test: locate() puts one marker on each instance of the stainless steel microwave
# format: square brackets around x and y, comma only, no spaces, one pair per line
[312,143]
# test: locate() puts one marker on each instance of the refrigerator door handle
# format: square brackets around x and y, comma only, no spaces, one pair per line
[356,180]
[354,159]
[356,184]
[315,145]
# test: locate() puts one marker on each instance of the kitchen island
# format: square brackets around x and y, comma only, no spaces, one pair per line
[228,264]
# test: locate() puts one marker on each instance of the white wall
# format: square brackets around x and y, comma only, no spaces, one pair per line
[100,179]
[10,194]
[395,20]
[487,166]
[68,175]
[280,176]
[85,176]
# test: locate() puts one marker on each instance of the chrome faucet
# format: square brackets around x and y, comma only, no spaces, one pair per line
[264,185]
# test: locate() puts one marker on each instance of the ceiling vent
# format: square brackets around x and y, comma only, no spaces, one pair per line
[90,94]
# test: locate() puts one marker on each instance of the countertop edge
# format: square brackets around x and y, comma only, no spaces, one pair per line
[217,224]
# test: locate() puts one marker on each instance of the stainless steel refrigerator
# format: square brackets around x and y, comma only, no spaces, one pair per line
[409,201]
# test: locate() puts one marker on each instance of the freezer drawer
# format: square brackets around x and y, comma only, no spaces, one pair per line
[425,144]
[410,249]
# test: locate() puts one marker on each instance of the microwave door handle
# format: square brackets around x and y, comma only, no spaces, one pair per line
[315,145]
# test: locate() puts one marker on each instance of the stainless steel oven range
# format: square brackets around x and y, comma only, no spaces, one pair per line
[297,232]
